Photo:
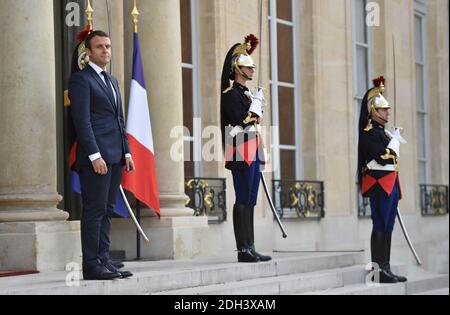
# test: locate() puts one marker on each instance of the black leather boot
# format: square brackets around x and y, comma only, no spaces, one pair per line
[241,234]
[377,245]
[388,242]
[239,228]
[261,257]
[246,256]
[251,234]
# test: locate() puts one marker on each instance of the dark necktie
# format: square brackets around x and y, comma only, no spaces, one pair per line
[109,88]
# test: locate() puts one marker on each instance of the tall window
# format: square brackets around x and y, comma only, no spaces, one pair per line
[191,104]
[362,55]
[421,98]
[285,90]
[362,74]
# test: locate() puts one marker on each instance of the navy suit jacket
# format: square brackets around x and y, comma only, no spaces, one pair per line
[99,124]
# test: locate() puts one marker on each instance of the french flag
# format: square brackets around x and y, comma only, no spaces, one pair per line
[143,182]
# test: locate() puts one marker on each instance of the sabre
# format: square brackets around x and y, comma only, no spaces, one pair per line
[408,240]
[395,82]
[139,228]
[272,207]
[260,44]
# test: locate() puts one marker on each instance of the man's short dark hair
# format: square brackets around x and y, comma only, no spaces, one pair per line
[92,35]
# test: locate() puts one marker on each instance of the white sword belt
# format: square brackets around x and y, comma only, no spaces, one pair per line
[238,129]
[375,166]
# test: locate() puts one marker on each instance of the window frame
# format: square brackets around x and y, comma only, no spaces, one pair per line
[369,63]
[421,13]
[357,99]
[275,85]
[196,138]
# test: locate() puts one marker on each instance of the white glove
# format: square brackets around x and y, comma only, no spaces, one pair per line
[258,102]
[396,133]
[396,140]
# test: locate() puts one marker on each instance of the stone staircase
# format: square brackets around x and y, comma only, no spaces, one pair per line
[287,274]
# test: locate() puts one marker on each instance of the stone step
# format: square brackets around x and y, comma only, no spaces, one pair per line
[427,283]
[444,291]
[280,285]
[415,285]
[288,284]
[150,277]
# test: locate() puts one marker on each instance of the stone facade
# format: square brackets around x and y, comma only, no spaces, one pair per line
[327,118]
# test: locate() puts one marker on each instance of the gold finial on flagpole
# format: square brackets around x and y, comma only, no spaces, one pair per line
[135,14]
[89,13]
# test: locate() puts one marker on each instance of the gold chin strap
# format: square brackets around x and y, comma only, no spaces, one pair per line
[373,110]
[238,69]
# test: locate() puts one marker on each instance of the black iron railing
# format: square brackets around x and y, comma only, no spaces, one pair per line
[207,197]
[303,200]
[434,200]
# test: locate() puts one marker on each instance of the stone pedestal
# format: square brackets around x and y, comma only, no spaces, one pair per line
[42,246]
[43,240]
[170,237]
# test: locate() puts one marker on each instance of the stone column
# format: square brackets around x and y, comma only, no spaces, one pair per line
[28,141]
[160,38]
[159,33]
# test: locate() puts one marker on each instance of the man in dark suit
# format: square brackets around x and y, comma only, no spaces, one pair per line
[102,152]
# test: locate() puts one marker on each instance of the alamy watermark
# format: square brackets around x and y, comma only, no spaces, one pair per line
[207,143]
[373,14]
[73,16]
[73,274]
[373,277]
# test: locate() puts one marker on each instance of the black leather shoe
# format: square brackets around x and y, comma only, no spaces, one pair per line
[118,264]
[399,278]
[388,241]
[261,257]
[246,256]
[123,274]
[385,277]
[100,274]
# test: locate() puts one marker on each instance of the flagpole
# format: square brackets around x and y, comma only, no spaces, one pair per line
[138,236]
[89,13]
[135,15]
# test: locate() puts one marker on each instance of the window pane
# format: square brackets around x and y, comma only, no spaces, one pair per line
[362,71]
[188,112]
[287,116]
[360,21]
[418,38]
[186,32]
[358,104]
[288,169]
[272,57]
[419,87]
[422,173]
[284,9]
[421,142]
[285,54]
[189,159]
